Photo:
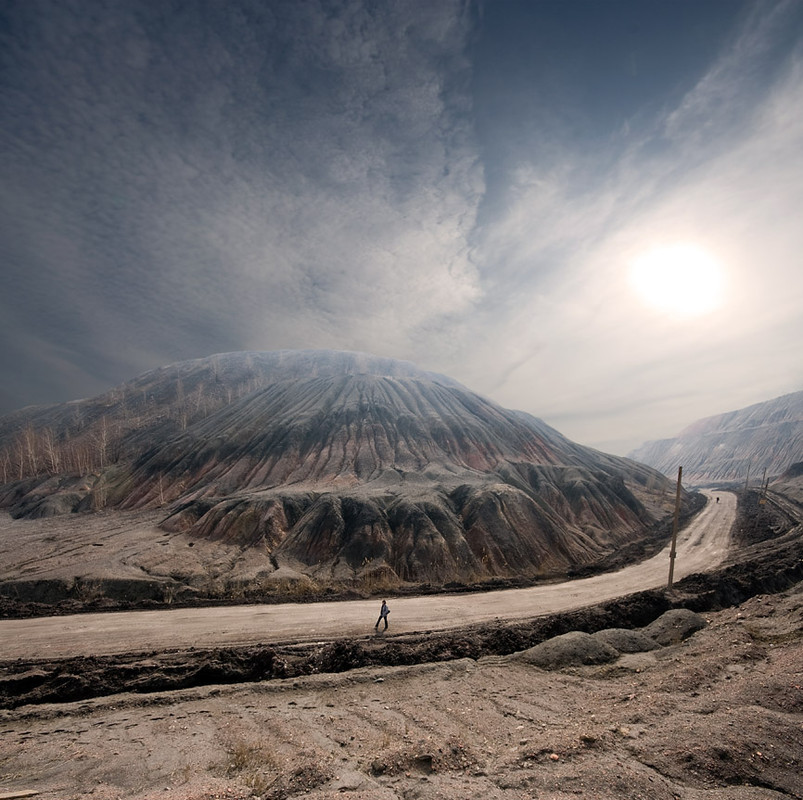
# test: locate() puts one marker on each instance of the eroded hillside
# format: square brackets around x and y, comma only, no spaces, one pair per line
[337,467]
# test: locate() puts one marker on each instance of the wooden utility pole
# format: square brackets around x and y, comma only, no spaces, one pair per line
[672,550]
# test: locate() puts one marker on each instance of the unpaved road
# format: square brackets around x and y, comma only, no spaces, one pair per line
[701,546]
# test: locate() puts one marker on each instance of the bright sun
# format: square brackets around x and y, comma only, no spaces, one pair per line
[680,279]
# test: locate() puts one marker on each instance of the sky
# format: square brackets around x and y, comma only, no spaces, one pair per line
[588,210]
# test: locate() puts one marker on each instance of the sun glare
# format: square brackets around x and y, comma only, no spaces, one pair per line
[680,279]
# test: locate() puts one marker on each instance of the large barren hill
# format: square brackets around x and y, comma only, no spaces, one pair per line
[329,466]
[765,438]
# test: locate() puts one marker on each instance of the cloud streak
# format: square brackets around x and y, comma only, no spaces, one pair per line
[279,176]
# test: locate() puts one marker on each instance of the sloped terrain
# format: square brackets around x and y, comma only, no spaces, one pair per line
[701,704]
[334,467]
[729,448]
[790,484]
[713,718]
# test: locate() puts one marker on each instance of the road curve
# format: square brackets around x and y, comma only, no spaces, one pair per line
[701,546]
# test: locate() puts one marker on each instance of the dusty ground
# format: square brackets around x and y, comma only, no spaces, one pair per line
[110,560]
[718,716]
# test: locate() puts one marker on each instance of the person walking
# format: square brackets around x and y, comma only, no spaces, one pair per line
[383,615]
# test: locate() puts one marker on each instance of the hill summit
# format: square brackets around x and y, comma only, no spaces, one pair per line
[340,466]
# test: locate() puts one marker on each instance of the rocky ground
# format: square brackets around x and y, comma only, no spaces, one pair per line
[506,711]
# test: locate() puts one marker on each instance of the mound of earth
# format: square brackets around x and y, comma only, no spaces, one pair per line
[339,467]
[569,650]
[674,626]
[765,437]
[625,640]
[578,648]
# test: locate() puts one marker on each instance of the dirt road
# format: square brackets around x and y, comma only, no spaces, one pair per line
[701,546]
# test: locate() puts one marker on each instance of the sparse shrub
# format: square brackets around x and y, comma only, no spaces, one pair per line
[302,587]
[252,763]
[378,580]
[235,590]
[169,591]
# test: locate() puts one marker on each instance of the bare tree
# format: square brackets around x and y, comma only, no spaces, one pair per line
[102,441]
[80,457]
[5,465]
[30,445]
[20,451]
[199,396]
[51,450]
[125,410]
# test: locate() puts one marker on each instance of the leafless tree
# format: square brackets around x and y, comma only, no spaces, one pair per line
[102,441]
[30,445]
[199,396]
[79,457]
[20,452]
[5,465]
[51,450]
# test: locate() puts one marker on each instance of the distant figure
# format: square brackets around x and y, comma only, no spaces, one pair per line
[717,499]
[383,615]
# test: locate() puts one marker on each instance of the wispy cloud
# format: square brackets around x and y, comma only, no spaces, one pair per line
[260,175]
[585,353]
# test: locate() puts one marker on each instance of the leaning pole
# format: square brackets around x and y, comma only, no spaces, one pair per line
[672,549]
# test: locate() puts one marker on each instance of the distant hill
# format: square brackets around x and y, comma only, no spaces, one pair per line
[721,449]
[790,483]
[339,465]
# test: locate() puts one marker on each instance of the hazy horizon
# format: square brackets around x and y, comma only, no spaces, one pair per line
[588,211]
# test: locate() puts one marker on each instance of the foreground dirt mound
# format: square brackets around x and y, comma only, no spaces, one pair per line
[571,649]
[674,626]
[715,717]
[576,648]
